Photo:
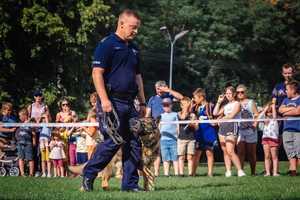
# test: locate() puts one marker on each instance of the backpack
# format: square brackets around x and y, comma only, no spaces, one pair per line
[246,114]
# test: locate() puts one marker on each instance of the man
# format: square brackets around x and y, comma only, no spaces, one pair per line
[279,92]
[291,129]
[155,108]
[117,80]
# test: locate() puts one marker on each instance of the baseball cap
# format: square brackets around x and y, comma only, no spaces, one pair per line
[37,93]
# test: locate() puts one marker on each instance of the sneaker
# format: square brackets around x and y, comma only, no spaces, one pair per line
[44,175]
[241,173]
[228,174]
[49,176]
[267,175]
[276,175]
[87,184]
[37,174]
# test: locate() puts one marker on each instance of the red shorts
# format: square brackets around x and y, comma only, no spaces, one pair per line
[58,163]
[270,142]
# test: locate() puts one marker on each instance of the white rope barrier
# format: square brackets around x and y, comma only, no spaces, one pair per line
[95,124]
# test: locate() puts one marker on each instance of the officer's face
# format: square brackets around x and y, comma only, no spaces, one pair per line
[130,26]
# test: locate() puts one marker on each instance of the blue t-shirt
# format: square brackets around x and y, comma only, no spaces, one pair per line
[45,132]
[121,63]
[7,119]
[155,104]
[24,135]
[168,131]
[279,92]
[291,125]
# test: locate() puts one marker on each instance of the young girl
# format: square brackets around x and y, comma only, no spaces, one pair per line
[91,135]
[228,131]
[45,137]
[57,154]
[169,133]
[206,139]
[270,139]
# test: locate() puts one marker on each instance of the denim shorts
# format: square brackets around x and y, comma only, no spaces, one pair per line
[168,150]
[25,151]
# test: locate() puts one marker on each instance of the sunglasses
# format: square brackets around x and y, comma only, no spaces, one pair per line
[65,104]
[240,92]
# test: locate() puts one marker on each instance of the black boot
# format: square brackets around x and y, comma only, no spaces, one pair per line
[87,184]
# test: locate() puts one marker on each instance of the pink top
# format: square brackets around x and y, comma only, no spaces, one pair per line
[57,150]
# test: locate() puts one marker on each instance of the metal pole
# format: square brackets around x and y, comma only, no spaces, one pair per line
[171,65]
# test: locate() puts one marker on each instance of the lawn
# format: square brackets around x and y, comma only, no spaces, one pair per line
[200,187]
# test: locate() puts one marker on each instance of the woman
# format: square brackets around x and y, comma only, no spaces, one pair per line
[38,107]
[206,138]
[65,111]
[228,131]
[247,138]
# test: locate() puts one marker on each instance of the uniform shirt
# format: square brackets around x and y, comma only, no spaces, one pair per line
[121,63]
[155,104]
[168,131]
[279,93]
[291,125]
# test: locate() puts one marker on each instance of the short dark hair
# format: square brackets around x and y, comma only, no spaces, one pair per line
[288,65]
[129,12]
[294,84]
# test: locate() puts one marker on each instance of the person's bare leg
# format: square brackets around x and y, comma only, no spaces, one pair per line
[21,167]
[48,168]
[210,162]
[156,166]
[274,153]
[181,160]
[196,159]
[230,146]
[62,171]
[241,150]
[190,164]
[227,160]
[166,168]
[31,168]
[175,166]
[267,153]
[251,153]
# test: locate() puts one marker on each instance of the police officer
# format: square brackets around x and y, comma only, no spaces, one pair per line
[118,81]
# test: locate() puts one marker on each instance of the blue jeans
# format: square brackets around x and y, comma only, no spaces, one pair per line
[131,149]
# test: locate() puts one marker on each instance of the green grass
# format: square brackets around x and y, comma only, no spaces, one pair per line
[200,187]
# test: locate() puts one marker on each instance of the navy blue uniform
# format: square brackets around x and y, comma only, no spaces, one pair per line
[121,64]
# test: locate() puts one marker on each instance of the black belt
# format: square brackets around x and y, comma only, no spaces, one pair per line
[123,96]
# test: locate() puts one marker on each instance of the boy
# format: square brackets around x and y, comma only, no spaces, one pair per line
[25,141]
[290,107]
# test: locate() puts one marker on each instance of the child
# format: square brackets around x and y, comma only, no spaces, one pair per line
[25,140]
[206,136]
[186,137]
[169,133]
[57,154]
[91,134]
[270,139]
[81,148]
[290,108]
[6,133]
[45,137]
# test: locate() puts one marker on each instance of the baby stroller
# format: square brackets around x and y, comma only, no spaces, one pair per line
[9,162]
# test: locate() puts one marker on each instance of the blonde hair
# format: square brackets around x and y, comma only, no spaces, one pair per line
[242,86]
[199,92]
[6,106]
[23,111]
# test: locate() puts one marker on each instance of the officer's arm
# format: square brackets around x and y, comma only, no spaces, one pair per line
[98,80]
[141,94]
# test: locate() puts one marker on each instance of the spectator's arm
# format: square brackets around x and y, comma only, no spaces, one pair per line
[91,130]
[295,111]
[33,139]
[57,117]
[236,110]
[10,130]
[176,94]
[148,112]
[218,110]
[283,109]
[255,112]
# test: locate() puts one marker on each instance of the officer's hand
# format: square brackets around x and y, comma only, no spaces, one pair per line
[106,106]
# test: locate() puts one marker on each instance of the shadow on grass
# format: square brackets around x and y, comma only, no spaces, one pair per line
[176,188]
